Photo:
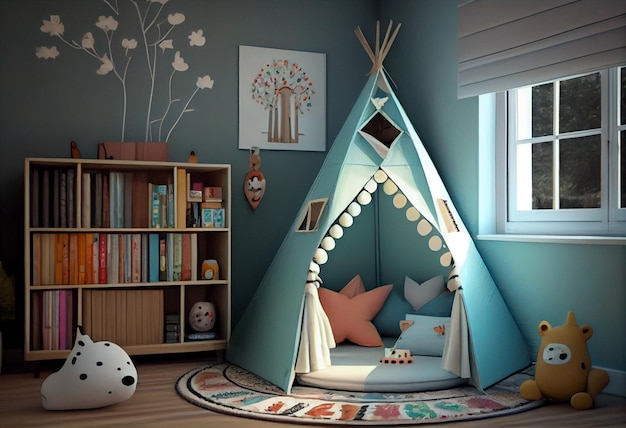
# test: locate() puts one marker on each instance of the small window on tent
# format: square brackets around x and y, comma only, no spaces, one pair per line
[382,129]
[311,215]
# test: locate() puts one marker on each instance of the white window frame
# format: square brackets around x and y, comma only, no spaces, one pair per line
[609,220]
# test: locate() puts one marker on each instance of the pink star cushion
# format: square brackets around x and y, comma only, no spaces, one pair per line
[351,311]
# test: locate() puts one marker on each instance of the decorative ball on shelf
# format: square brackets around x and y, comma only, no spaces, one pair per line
[95,374]
[202,316]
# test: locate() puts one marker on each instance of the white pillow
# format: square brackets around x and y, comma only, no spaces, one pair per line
[419,294]
[426,336]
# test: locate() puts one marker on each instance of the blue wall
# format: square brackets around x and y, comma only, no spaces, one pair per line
[539,281]
[45,104]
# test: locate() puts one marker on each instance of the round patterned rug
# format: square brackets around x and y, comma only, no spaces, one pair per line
[229,389]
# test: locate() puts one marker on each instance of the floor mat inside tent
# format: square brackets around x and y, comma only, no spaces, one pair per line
[358,368]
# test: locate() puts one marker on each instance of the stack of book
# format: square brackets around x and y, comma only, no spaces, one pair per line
[112,258]
[126,317]
[53,321]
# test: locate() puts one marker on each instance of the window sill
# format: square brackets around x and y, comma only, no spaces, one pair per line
[555,239]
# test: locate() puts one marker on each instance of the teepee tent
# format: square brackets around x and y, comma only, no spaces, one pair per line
[284,325]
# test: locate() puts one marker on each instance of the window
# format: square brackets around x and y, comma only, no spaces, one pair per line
[565,157]
[311,215]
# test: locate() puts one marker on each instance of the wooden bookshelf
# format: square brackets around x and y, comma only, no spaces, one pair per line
[117,248]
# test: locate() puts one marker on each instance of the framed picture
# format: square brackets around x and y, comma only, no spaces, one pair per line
[282,99]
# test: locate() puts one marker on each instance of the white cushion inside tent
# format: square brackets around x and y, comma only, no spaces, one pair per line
[358,368]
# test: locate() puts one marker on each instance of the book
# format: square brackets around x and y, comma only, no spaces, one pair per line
[34,197]
[113,260]
[106,221]
[36,260]
[71,200]
[52,261]
[154,257]
[169,257]
[140,197]
[116,199]
[45,198]
[63,198]
[88,258]
[46,331]
[102,262]
[58,259]
[163,208]
[97,218]
[125,258]
[81,251]
[185,261]
[144,257]
[36,323]
[73,259]
[96,258]
[181,198]
[45,259]
[171,207]
[159,206]
[194,256]
[54,344]
[62,299]
[69,305]
[178,256]
[86,200]
[65,265]
[135,258]
[127,200]
[56,195]
[162,258]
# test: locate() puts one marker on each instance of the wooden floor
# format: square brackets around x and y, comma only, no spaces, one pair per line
[157,404]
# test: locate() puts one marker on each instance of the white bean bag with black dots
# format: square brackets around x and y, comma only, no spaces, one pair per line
[95,374]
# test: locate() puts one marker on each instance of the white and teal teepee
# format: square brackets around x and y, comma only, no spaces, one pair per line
[377,145]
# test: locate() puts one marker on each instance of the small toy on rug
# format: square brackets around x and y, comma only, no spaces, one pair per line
[563,370]
[95,374]
[398,356]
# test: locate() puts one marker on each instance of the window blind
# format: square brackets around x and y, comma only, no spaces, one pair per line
[505,44]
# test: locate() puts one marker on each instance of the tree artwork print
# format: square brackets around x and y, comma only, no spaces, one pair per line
[285,91]
[281,99]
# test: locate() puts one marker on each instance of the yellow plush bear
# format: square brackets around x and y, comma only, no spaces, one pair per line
[563,371]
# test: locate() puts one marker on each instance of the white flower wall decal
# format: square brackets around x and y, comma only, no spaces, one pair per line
[114,56]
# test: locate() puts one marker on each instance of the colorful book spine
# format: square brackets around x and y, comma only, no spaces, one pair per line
[103,244]
[58,259]
[65,275]
[135,251]
[185,261]
[36,260]
[71,200]
[95,265]
[86,200]
[73,262]
[154,258]
[62,299]
[88,258]
[178,256]
[82,257]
